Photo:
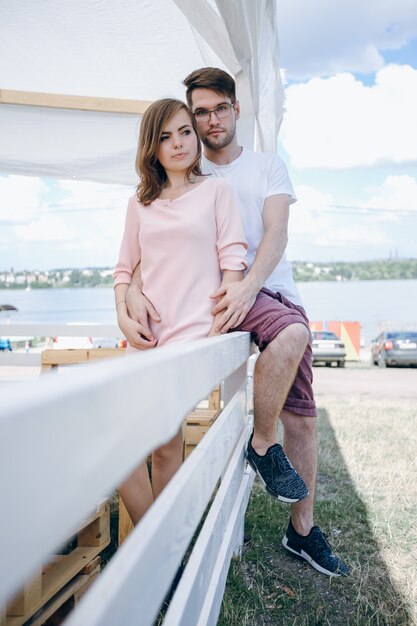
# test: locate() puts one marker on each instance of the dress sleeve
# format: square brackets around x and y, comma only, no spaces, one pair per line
[231,240]
[129,255]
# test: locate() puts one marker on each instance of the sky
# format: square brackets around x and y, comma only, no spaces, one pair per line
[349,138]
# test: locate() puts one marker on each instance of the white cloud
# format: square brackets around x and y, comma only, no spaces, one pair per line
[82,219]
[317,223]
[397,193]
[324,37]
[47,228]
[95,195]
[101,238]
[307,215]
[109,204]
[339,123]
[20,197]
[354,236]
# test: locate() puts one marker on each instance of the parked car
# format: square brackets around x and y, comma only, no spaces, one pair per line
[328,348]
[392,348]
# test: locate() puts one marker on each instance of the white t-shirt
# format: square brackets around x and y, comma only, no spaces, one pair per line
[255,176]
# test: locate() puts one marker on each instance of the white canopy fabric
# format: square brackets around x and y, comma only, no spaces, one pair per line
[126,49]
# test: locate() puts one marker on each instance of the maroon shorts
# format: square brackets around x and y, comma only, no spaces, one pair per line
[271,313]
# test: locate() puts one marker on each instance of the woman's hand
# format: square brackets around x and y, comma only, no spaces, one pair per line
[137,335]
[140,309]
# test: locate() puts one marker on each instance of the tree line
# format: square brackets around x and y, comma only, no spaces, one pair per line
[380,269]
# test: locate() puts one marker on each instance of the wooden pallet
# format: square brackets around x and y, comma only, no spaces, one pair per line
[199,421]
[193,435]
[65,577]
[201,417]
[125,523]
[56,610]
[51,359]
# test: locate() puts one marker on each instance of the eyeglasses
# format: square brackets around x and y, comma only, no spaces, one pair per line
[202,116]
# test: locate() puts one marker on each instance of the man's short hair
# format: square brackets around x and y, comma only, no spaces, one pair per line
[210,78]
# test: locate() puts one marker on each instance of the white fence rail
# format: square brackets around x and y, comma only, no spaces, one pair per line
[66,442]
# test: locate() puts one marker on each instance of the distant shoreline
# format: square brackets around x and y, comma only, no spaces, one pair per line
[57,286]
[110,286]
[339,271]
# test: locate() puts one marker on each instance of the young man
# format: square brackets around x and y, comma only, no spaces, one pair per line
[267,304]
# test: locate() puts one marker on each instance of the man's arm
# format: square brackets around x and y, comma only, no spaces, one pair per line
[236,299]
[229,277]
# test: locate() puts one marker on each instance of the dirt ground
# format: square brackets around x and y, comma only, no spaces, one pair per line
[391,383]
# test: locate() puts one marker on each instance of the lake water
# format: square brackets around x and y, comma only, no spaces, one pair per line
[375,304]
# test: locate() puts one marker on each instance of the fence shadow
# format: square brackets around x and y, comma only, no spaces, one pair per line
[270,587]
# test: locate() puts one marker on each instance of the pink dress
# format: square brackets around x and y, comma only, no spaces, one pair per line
[183,246]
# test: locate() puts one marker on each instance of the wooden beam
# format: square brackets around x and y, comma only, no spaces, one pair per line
[82,103]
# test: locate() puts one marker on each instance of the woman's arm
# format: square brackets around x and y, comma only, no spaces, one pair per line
[139,307]
[132,330]
[129,257]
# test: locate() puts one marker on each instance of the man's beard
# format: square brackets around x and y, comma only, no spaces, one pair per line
[217,143]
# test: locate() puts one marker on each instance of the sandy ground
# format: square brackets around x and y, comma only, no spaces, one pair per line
[390,383]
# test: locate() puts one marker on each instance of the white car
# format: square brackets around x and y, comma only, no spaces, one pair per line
[328,348]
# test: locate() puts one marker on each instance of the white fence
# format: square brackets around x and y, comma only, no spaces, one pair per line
[65,442]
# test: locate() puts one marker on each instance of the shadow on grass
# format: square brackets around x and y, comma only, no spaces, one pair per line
[270,587]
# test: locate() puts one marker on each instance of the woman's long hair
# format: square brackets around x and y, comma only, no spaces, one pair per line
[152,175]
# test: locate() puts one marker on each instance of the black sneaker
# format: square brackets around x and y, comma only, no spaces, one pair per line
[276,473]
[316,550]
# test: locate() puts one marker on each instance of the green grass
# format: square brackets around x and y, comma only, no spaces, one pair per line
[367,503]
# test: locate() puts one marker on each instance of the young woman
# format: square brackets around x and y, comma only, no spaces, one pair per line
[185,231]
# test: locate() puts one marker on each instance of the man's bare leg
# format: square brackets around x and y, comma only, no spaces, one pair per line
[275,371]
[301,448]
[166,461]
[136,493]
[302,538]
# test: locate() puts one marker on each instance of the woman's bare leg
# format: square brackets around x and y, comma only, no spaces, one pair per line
[166,461]
[136,493]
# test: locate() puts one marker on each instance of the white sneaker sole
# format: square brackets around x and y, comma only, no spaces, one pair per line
[280,498]
[308,558]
